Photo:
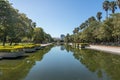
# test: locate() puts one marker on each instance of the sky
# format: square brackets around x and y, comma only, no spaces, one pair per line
[58,17]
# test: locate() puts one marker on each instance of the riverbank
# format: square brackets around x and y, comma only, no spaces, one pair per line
[47,44]
[17,51]
[109,49]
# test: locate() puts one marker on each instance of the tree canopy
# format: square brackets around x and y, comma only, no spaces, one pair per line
[95,30]
[16,26]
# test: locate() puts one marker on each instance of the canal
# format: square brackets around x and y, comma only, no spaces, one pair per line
[62,63]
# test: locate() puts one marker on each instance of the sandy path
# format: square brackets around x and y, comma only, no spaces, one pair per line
[46,44]
[110,49]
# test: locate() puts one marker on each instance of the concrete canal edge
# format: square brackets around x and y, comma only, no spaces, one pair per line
[108,49]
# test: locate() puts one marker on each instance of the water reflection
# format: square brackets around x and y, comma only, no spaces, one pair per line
[62,63]
[62,47]
[18,69]
[105,65]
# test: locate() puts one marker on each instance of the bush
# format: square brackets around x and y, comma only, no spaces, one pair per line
[37,45]
[18,47]
[81,45]
[84,44]
[29,46]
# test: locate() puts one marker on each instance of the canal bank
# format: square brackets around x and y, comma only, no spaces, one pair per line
[11,53]
[109,49]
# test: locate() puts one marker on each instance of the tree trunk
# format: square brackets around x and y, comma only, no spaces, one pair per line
[107,14]
[4,40]
[11,42]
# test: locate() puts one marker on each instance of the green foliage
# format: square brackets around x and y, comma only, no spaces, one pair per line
[97,31]
[38,35]
[99,16]
[84,44]
[106,7]
[15,26]
[22,66]
[99,62]
[10,48]
[113,6]
[118,3]
[67,38]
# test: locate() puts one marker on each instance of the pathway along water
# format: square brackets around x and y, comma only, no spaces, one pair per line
[63,63]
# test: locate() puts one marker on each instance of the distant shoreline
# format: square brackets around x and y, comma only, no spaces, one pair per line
[109,49]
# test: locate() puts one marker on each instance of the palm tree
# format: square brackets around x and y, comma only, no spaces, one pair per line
[82,26]
[34,24]
[118,3]
[106,7]
[112,6]
[76,30]
[92,18]
[99,16]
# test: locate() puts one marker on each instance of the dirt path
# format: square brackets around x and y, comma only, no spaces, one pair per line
[46,44]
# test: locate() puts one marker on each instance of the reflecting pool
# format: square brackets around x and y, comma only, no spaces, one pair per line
[62,63]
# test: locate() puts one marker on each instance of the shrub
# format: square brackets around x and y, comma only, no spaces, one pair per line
[81,45]
[84,44]
[18,47]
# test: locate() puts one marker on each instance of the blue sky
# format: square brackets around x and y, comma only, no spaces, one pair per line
[58,17]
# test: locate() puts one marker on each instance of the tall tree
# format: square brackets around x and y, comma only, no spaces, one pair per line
[39,35]
[112,6]
[76,30]
[47,38]
[116,27]
[33,24]
[6,18]
[106,7]
[92,18]
[99,16]
[84,25]
[67,38]
[118,3]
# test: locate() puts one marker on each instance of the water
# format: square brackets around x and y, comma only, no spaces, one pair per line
[62,63]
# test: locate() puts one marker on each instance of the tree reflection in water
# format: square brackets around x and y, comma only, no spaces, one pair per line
[62,47]
[18,69]
[99,62]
